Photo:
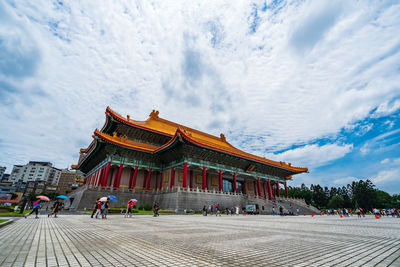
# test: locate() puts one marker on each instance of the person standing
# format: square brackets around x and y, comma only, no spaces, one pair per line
[273,211]
[204,210]
[35,209]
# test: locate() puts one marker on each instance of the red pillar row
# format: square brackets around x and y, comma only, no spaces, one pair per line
[269,190]
[172,178]
[184,175]
[204,178]
[220,180]
[234,182]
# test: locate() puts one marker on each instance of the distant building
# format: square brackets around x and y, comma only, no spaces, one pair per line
[7,188]
[68,182]
[39,187]
[2,171]
[6,177]
[35,171]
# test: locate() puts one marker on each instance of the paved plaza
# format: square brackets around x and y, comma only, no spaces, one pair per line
[194,240]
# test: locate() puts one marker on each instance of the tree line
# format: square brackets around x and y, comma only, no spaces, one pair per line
[358,194]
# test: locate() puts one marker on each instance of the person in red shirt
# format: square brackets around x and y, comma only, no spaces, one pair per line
[98,211]
[129,209]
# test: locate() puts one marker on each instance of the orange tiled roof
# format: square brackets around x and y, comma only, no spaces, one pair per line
[157,124]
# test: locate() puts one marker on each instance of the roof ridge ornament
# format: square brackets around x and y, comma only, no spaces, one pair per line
[154,114]
[222,136]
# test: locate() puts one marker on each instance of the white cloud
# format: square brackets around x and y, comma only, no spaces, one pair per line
[344,181]
[383,142]
[314,155]
[386,176]
[385,161]
[215,66]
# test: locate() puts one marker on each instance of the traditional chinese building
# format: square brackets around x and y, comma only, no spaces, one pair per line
[153,158]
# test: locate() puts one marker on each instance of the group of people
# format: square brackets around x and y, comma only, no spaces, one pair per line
[100,208]
[386,212]
[215,209]
[57,206]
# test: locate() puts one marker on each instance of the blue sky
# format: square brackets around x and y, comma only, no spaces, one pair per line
[314,83]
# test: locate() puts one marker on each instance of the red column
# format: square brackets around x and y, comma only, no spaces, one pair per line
[161,180]
[265,195]
[184,175]
[277,187]
[259,186]
[269,190]
[191,179]
[148,180]
[103,177]
[118,176]
[121,167]
[204,178]
[130,179]
[99,177]
[106,173]
[220,180]
[286,190]
[172,178]
[234,183]
[134,177]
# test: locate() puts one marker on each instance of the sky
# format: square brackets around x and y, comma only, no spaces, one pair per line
[314,83]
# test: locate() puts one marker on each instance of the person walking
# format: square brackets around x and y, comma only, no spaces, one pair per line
[273,211]
[98,210]
[358,213]
[35,209]
[280,210]
[156,207]
[56,207]
[95,208]
[129,209]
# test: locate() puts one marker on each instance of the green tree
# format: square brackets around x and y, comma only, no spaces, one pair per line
[383,199]
[336,202]
[364,194]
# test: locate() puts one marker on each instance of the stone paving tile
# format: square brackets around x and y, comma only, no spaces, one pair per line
[201,241]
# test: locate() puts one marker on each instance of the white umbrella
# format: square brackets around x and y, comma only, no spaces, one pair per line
[103,199]
[133,199]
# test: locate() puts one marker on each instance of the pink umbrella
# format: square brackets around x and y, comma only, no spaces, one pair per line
[43,198]
[103,199]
